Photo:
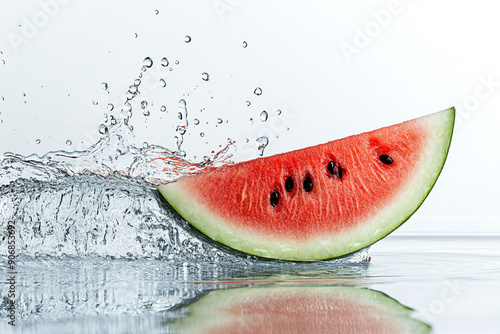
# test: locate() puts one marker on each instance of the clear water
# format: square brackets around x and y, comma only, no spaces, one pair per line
[99,251]
[451,282]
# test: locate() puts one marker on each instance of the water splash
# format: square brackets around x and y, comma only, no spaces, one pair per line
[103,201]
[181,128]
[91,215]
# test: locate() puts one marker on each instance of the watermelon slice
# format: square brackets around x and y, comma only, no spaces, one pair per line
[292,309]
[319,202]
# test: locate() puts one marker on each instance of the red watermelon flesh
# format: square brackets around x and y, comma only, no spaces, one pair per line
[304,309]
[319,202]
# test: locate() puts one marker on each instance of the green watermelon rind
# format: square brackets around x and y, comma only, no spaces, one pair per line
[210,311]
[403,205]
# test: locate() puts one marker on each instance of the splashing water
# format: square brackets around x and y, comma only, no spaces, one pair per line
[261,143]
[103,201]
[181,127]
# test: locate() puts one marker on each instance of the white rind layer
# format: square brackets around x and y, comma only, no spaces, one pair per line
[439,132]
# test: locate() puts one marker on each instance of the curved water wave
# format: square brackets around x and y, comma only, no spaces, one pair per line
[88,214]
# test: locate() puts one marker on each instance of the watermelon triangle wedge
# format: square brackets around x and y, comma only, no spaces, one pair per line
[320,202]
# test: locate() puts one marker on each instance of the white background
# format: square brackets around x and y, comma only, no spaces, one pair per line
[407,59]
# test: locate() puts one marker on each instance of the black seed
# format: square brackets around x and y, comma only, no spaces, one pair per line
[289,184]
[308,184]
[386,159]
[275,197]
[331,167]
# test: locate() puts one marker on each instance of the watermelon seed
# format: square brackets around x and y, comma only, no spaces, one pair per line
[289,184]
[275,197]
[385,159]
[331,169]
[308,184]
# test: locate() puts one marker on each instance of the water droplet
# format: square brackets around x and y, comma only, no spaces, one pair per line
[176,62]
[278,112]
[251,121]
[245,44]
[103,129]
[163,108]
[130,96]
[261,143]
[202,134]
[187,39]
[257,91]
[144,104]
[248,103]
[132,89]
[111,106]
[104,86]
[205,76]
[263,116]
[137,82]
[182,125]
[164,62]
[95,103]
[148,62]
[112,120]
[219,120]
[163,83]
[157,12]
[127,107]
[146,112]
[145,145]
[196,121]
[24,94]
[69,142]
[38,141]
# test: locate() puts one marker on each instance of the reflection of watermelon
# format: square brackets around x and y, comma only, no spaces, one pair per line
[319,202]
[289,309]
